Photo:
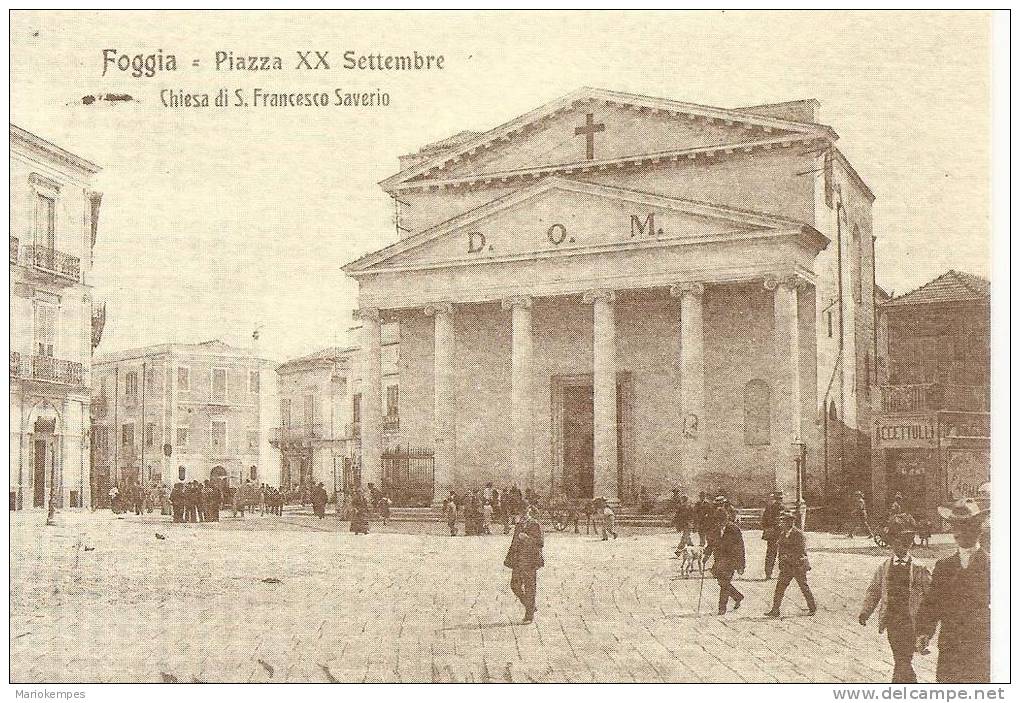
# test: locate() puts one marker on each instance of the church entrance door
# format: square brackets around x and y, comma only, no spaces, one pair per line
[578,441]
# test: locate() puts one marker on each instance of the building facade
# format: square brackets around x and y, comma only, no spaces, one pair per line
[54,218]
[319,436]
[614,295]
[931,428]
[182,412]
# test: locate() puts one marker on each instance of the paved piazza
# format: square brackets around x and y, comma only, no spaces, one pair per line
[97,598]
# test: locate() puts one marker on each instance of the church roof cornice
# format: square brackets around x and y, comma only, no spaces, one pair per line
[528,121]
[580,167]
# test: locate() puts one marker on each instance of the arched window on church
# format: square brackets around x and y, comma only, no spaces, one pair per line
[757,412]
[832,410]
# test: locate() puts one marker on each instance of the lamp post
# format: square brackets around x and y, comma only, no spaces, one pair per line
[800,461]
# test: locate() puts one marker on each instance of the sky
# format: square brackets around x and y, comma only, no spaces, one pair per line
[215,222]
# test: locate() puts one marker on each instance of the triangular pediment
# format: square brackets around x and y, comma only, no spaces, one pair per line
[597,126]
[563,217]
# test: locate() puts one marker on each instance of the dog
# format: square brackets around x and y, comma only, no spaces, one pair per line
[691,557]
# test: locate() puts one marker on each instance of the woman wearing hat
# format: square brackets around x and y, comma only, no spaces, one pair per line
[958,601]
[897,589]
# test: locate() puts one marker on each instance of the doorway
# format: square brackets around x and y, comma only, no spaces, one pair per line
[39,456]
[578,441]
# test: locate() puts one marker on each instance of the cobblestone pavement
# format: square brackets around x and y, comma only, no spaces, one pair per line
[97,598]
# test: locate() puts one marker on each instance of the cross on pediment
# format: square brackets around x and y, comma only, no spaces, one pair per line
[588,129]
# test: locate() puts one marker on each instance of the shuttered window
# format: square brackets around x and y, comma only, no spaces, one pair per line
[45,329]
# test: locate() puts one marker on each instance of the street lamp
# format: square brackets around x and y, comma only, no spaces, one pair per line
[800,461]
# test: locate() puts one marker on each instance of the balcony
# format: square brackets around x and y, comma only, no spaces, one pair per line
[391,423]
[14,250]
[47,368]
[298,434]
[54,262]
[927,397]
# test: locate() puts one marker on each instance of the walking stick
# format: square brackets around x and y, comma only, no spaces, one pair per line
[700,589]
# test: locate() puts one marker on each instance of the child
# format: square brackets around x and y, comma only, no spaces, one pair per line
[897,589]
[608,522]
[487,517]
[384,508]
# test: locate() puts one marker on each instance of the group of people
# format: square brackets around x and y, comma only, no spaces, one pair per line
[912,602]
[480,509]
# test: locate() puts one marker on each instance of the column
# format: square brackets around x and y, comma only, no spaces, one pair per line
[786,340]
[371,397]
[522,450]
[445,401]
[692,379]
[604,386]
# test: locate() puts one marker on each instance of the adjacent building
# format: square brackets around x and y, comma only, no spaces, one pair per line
[931,427]
[319,435]
[172,412]
[615,294]
[54,220]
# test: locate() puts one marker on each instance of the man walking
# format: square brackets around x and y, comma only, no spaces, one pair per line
[897,590]
[726,543]
[958,601]
[793,564]
[859,516]
[703,517]
[770,531]
[524,558]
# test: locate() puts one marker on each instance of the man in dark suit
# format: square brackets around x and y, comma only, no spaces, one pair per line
[524,558]
[958,602]
[793,564]
[703,517]
[726,543]
[770,531]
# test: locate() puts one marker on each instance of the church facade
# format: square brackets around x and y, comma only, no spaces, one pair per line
[614,295]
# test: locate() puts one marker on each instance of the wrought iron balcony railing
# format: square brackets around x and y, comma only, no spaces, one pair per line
[54,261]
[391,423]
[48,368]
[298,433]
[926,397]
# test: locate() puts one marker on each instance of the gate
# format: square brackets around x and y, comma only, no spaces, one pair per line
[408,476]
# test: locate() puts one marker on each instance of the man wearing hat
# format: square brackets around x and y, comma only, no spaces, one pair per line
[897,589]
[726,542]
[958,601]
[793,564]
[770,531]
[524,558]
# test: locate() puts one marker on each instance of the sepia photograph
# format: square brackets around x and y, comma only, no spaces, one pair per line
[417,347]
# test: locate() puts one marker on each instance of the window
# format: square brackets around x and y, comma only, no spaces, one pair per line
[100,438]
[392,401]
[253,439]
[356,408]
[218,435]
[150,378]
[253,473]
[127,434]
[130,386]
[309,410]
[833,415]
[859,264]
[150,434]
[45,221]
[183,378]
[45,328]
[181,473]
[219,385]
[828,322]
[757,412]
[253,381]
[182,436]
